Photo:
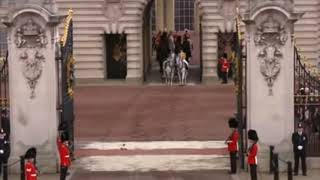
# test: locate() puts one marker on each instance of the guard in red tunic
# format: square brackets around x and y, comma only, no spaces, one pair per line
[252,153]
[225,66]
[232,142]
[64,152]
[30,167]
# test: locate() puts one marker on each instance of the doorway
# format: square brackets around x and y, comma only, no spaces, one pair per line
[227,44]
[116,56]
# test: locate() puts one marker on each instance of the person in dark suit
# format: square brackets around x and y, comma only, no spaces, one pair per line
[299,141]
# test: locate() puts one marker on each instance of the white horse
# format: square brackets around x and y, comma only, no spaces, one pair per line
[183,71]
[169,70]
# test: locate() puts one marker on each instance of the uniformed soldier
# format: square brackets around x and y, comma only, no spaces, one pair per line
[225,66]
[299,141]
[4,150]
[232,142]
[31,171]
[64,152]
[252,153]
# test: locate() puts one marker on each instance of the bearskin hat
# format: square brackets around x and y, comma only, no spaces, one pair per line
[62,126]
[252,135]
[31,153]
[233,123]
[64,137]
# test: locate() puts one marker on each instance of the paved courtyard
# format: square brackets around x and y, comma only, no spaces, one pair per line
[153,113]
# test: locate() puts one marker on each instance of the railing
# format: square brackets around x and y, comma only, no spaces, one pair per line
[274,165]
[4,105]
[307,104]
[4,83]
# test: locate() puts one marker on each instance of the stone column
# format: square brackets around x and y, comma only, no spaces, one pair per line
[159,15]
[270,77]
[33,84]
[169,15]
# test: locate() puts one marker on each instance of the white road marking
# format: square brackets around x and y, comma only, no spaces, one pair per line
[144,163]
[151,145]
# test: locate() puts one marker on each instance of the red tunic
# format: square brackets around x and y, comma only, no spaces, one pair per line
[233,141]
[64,153]
[225,65]
[30,171]
[252,154]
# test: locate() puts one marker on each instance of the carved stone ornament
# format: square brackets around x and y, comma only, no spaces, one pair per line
[270,36]
[113,9]
[30,35]
[32,69]
[31,38]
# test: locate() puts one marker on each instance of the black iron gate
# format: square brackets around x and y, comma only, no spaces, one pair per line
[67,80]
[307,103]
[4,94]
[240,86]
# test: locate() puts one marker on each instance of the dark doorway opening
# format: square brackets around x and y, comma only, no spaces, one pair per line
[227,44]
[116,56]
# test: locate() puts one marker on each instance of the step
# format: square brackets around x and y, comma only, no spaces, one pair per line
[151,156]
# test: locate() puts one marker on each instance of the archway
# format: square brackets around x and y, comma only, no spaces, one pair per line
[186,17]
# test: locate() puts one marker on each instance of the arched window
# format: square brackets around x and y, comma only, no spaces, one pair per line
[184,14]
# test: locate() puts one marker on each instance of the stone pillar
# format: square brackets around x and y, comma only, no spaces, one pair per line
[159,15]
[270,77]
[164,14]
[33,84]
[169,15]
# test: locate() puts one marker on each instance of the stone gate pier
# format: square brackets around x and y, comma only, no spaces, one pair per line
[270,78]
[32,35]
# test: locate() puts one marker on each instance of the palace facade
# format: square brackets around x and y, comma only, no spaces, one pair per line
[101,25]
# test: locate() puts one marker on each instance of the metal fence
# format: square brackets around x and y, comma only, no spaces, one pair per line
[307,104]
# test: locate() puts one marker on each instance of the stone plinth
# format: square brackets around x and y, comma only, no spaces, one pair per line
[270,78]
[33,84]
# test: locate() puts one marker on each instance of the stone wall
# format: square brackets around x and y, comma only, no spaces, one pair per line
[94,18]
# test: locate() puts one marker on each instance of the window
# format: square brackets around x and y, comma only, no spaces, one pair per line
[3,42]
[184,14]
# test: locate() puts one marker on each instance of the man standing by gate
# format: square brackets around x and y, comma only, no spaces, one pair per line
[252,153]
[299,141]
[232,142]
[64,152]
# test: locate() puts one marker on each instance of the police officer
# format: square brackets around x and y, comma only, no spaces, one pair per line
[252,153]
[64,152]
[299,141]
[31,171]
[4,149]
[232,142]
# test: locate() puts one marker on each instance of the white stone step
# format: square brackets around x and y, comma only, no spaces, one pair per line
[145,163]
[151,162]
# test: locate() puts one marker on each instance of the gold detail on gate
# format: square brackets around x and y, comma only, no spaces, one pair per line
[66,27]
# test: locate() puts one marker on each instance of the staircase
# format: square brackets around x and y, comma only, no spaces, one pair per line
[152,128]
